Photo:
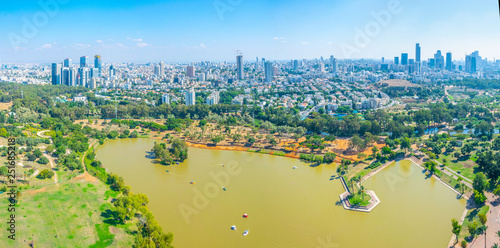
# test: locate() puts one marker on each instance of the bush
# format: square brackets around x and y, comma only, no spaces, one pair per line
[374,165]
[45,174]
[43,160]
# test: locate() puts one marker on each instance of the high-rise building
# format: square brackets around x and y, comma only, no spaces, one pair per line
[417,52]
[190,71]
[67,63]
[162,69]
[449,62]
[470,63]
[257,63]
[56,73]
[239,65]
[321,67]
[94,73]
[84,61]
[333,64]
[190,97]
[165,99]
[439,60]
[68,76]
[84,76]
[98,62]
[295,65]
[396,60]
[112,71]
[269,72]
[404,59]
[213,98]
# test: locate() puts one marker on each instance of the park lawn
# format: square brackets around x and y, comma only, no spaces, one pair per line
[451,181]
[64,215]
[466,168]
[472,215]
[359,198]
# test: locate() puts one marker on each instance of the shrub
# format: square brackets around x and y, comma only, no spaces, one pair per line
[45,174]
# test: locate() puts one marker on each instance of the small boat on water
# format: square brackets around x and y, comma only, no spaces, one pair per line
[222,165]
[245,216]
[224,189]
[233,227]
[177,162]
[245,233]
[168,171]
[295,167]
[192,182]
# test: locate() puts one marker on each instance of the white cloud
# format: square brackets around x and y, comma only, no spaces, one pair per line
[81,46]
[279,38]
[142,44]
[305,43]
[46,46]
[135,40]
[202,45]
[98,41]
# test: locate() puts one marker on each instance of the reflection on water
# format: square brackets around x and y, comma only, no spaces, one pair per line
[287,207]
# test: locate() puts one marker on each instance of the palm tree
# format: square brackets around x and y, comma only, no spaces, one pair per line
[495,245]
[363,192]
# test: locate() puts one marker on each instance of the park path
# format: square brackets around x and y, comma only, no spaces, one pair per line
[51,159]
[493,224]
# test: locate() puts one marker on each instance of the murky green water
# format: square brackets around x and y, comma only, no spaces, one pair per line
[286,207]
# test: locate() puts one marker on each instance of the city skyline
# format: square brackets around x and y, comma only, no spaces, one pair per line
[174,31]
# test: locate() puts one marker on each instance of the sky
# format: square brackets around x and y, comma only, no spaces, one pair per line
[45,31]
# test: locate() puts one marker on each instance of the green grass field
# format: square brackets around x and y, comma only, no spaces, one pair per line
[472,215]
[466,168]
[65,215]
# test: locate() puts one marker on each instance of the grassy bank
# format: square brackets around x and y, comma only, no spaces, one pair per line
[70,214]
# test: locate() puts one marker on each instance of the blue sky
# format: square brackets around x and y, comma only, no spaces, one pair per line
[195,30]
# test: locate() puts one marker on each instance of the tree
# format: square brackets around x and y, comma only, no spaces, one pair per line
[116,182]
[251,140]
[37,153]
[375,150]
[273,142]
[406,144]
[46,173]
[472,227]
[329,157]
[467,149]
[43,160]
[217,139]
[479,184]
[4,171]
[456,227]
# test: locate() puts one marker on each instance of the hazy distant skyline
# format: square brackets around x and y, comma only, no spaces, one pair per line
[190,31]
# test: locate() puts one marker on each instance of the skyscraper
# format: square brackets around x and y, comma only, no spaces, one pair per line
[417,52]
[68,76]
[67,63]
[396,60]
[162,69]
[470,63]
[449,62]
[84,61]
[295,65]
[333,64]
[190,97]
[439,59]
[56,73]
[190,71]
[98,62]
[404,59]
[239,64]
[257,63]
[269,72]
[84,76]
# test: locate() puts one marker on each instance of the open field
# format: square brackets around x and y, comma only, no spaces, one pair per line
[65,215]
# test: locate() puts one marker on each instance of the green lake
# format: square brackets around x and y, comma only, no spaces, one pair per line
[286,207]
